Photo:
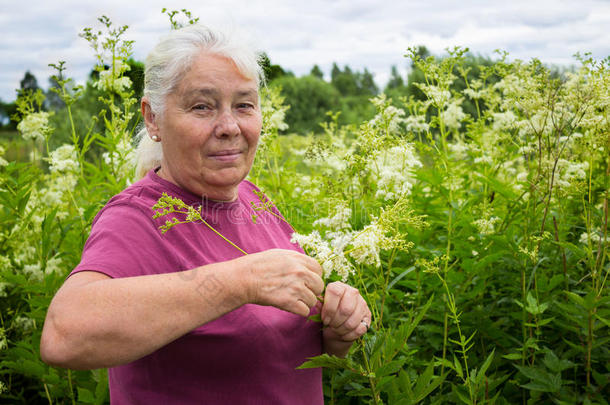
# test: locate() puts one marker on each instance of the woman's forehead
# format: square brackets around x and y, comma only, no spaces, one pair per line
[209,73]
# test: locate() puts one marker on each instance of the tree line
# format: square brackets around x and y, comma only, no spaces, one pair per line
[309,96]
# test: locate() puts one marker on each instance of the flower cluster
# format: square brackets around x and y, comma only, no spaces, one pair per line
[393,168]
[112,79]
[122,159]
[35,126]
[331,258]
[389,118]
[3,161]
[63,159]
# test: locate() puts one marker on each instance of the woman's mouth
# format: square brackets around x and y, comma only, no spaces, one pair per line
[228,155]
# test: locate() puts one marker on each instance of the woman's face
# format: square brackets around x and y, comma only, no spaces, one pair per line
[209,129]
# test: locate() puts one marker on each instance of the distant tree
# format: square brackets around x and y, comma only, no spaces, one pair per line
[396,80]
[271,71]
[366,83]
[334,72]
[344,81]
[309,98]
[52,99]
[136,75]
[29,82]
[7,110]
[350,83]
[317,72]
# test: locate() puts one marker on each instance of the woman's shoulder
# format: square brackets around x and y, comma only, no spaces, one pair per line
[136,200]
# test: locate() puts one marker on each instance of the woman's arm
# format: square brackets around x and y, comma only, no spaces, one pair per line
[346,317]
[95,321]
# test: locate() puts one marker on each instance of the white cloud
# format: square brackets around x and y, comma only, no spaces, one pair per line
[297,35]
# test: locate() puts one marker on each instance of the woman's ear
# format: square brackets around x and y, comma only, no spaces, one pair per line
[150,118]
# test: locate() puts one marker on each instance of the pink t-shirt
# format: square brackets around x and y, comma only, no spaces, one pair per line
[247,356]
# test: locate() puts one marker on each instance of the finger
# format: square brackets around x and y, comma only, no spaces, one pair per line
[355,334]
[332,297]
[300,308]
[313,265]
[308,297]
[353,307]
[315,284]
[345,310]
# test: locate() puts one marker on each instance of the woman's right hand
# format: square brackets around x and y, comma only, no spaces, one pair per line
[285,279]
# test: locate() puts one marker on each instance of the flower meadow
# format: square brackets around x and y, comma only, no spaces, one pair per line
[478,236]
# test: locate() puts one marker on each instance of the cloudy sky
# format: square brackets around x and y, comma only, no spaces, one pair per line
[299,34]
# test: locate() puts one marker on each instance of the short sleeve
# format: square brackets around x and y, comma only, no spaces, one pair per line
[124,242]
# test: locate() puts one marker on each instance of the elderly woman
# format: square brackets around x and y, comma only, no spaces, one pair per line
[184,317]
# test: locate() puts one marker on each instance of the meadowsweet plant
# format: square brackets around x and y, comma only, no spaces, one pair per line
[48,203]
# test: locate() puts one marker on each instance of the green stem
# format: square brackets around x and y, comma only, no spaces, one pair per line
[376,397]
[223,237]
[48,395]
[71,388]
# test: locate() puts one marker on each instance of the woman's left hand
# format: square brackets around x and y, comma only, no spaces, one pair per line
[345,315]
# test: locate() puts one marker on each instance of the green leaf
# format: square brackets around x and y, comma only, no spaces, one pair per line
[461,393]
[484,367]
[458,367]
[325,360]
[397,278]
[390,368]
[577,299]
[315,318]
[554,364]
[541,380]
[85,396]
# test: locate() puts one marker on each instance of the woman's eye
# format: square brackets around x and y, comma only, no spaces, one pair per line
[245,105]
[201,107]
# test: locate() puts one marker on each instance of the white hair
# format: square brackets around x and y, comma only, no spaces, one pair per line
[166,64]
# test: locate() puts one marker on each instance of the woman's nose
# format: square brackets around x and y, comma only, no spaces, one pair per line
[226,125]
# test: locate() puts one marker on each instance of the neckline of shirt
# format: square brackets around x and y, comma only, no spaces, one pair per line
[193,199]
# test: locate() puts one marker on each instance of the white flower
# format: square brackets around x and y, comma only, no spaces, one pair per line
[438,96]
[330,259]
[526,149]
[485,226]
[112,80]
[504,120]
[459,150]
[389,117]
[3,345]
[417,123]
[122,158]
[54,265]
[393,168]
[473,94]
[3,162]
[23,323]
[34,126]
[338,221]
[366,245]
[63,159]
[3,289]
[593,238]
[522,177]
[453,182]
[454,115]
[484,159]
[33,270]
